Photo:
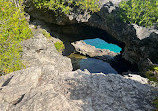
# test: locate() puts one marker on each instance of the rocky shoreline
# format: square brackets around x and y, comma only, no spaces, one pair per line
[49,84]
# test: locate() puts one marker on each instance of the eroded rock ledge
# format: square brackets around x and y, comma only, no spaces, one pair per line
[88,50]
[48,84]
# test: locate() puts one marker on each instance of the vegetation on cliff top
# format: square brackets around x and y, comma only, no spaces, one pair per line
[65,6]
[13,29]
[141,12]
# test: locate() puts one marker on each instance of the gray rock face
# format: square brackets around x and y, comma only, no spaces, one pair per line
[47,89]
[39,51]
[18,83]
[48,84]
[140,43]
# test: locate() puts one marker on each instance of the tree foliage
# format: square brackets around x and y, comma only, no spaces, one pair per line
[13,29]
[65,6]
[141,12]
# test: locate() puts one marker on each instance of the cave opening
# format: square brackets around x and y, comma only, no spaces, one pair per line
[76,32]
[96,55]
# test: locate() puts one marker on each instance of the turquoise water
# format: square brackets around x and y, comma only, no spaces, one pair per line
[99,43]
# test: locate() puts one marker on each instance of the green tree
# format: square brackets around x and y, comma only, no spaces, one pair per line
[141,12]
[13,29]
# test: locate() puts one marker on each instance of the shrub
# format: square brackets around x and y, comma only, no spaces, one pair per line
[46,34]
[13,29]
[152,74]
[155,102]
[141,12]
[65,6]
[59,46]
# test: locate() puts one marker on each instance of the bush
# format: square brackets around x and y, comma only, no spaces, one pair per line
[59,46]
[155,102]
[13,29]
[152,74]
[65,6]
[46,34]
[141,12]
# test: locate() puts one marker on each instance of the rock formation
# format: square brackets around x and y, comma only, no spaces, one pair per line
[39,50]
[48,84]
[140,45]
[47,89]
[88,50]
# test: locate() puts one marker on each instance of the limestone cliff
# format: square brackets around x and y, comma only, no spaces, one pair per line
[140,45]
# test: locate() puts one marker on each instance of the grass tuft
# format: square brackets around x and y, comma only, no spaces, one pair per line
[59,46]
